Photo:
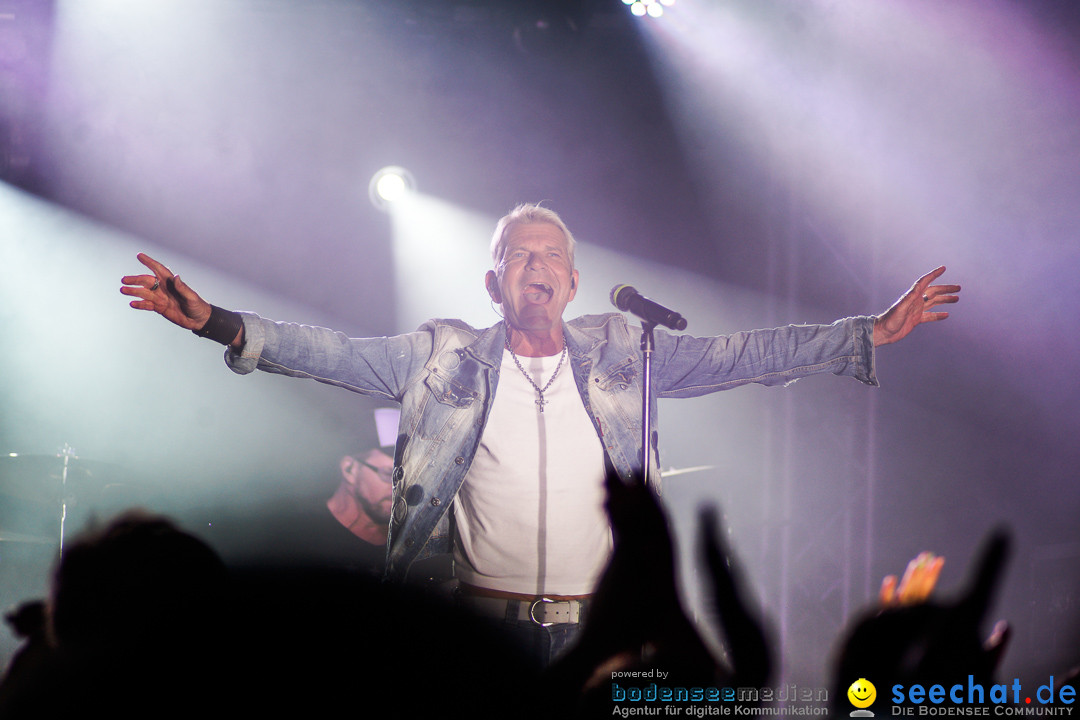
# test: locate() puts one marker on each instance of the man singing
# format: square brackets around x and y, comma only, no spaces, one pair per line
[506,432]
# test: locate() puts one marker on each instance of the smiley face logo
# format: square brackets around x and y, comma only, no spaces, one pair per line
[862,693]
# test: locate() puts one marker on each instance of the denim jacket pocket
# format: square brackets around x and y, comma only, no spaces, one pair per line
[448,392]
[620,377]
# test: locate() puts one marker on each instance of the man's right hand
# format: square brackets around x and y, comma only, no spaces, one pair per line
[166,294]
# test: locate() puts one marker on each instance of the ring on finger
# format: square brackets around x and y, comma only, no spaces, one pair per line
[926,298]
[157,284]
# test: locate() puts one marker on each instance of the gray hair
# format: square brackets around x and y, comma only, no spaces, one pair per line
[524,214]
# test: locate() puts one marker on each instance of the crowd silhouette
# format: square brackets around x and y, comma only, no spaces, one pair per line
[145,620]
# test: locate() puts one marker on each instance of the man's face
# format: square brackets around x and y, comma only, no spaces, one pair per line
[369,475]
[534,279]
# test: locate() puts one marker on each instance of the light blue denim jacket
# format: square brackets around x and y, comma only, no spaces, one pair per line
[445,375]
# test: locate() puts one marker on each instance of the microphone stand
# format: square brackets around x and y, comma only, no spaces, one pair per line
[648,342]
[651,314]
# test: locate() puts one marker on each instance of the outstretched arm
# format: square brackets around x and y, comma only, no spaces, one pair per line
[914,307]
[169,296]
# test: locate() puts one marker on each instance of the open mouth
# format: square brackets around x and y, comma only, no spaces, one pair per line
[537,292]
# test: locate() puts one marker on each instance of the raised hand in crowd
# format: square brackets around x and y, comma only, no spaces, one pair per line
[636,620]
[929,642]
[748,648]
[920,578]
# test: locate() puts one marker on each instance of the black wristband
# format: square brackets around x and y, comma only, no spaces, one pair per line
[222,326]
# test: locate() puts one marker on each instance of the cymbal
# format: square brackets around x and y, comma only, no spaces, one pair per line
[671,472]
[25,538]
[40,478]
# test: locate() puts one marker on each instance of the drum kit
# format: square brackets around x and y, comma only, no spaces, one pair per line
[45,498]
[45,502]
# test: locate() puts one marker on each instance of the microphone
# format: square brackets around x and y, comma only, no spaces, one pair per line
[628,299]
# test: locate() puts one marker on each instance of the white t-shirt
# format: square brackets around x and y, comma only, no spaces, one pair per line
[530,514]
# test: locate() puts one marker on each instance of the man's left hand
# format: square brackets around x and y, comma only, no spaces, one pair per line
[914,307]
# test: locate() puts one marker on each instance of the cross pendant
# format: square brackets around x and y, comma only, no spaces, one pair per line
[541,402]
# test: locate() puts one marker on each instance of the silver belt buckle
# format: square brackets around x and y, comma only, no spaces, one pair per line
[532,611]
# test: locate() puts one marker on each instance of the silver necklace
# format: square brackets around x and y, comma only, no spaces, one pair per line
[540,401]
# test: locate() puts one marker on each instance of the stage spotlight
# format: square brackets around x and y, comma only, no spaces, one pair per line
[650,8]
[389,185]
